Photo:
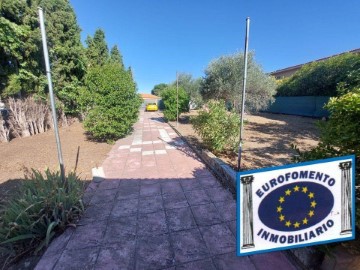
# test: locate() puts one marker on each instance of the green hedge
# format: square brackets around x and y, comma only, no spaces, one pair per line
[322,78]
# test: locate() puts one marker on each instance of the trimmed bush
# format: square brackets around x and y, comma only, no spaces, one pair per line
[169,96]
[44,207]
[218,128]
[110,102]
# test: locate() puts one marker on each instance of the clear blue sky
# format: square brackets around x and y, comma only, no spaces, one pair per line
[159,37]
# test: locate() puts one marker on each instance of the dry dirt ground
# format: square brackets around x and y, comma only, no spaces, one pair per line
[267,138]
[39,152]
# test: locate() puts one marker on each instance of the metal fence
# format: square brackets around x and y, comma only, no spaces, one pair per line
[303,106]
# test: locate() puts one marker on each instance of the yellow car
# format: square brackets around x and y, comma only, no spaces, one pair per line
[151,107]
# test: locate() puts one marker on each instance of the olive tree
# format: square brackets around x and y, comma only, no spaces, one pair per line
[224,81]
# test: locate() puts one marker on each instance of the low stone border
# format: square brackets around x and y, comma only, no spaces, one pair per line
[306,258]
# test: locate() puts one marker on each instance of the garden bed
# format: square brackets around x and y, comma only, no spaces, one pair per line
[267,138]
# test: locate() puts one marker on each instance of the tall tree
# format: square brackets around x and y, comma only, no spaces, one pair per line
[20,67]
[21,49]
[158,89]
[115,56]
[192,87]
[66,51]
[224,80]
[97,51]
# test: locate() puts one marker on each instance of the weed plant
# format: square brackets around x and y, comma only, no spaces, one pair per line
[44,207]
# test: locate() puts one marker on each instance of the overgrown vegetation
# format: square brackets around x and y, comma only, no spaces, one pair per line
[324,78]
[218,128]
[224,81]
[43,207]
[173,97]
[340,135]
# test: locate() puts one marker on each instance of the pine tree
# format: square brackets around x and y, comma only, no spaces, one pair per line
[21,62]
[20,72]
[116,57]
[66,51]
[97,51]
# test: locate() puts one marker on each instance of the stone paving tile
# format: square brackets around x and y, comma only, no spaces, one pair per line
[154,253]
[219,194]
[117,256]
[206,264]
[176,200]
[124,208]
[89,235]
[219,239]
[150,190]
[109,184]
[232,226]
[96,212]
[124,184]
[84,259]
[190,184]
[273,260]
[188,246]
[152,224]
[146,181]
[120,228]
[171,186]
[58,244]
[227,210]
[48,262]
[209,182]
[150,204]
[180,219]
[128,192]
[204,174]
[206,214]
[197,197]
[104,196]
[230,261]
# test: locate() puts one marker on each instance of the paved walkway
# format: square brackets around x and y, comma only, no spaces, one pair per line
[157,208]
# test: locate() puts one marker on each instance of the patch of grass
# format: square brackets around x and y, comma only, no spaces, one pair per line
[44,207]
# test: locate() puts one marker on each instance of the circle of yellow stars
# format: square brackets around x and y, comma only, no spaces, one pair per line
[302,221]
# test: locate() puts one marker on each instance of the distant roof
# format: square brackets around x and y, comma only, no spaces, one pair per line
[321,59]
[149,96]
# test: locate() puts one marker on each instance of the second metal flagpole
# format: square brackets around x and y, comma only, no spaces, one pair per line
[51,94]
[243,93]
[177,98]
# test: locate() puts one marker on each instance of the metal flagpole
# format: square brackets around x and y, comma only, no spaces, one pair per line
[177,98]
[51,93]
[243,92]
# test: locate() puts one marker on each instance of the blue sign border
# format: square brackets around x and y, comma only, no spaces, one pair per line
[293,165]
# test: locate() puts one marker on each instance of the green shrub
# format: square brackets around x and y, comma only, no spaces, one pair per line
[43,208]
[322,78]
[218,128]
[110,102]
[339,135]
[169,96]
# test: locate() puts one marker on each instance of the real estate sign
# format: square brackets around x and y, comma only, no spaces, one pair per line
[296,205]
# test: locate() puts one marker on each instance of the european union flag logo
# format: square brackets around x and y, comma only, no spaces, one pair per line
[296,206]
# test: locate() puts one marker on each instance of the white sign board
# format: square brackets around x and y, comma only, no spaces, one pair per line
[296,205]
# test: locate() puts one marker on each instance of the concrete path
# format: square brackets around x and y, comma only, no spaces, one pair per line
[158,207]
